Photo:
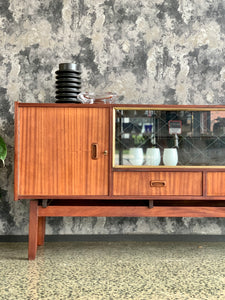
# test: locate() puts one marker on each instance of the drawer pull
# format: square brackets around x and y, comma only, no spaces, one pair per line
[157,183]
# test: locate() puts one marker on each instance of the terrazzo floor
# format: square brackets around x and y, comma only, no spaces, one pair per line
[113,270]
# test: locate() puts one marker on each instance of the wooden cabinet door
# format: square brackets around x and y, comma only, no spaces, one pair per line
[215,183]
[60,151]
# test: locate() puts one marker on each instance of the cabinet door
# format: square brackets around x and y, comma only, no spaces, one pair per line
[215,184]
[61,151]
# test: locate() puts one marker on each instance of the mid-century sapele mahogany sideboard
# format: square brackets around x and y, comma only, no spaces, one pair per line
[118,160]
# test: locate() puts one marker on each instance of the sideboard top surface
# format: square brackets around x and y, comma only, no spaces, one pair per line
[115,105]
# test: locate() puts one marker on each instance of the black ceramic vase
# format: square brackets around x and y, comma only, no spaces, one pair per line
[68,83]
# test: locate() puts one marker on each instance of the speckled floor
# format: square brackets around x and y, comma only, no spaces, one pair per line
[113,270]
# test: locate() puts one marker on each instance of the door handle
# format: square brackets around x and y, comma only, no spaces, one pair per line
[94,150]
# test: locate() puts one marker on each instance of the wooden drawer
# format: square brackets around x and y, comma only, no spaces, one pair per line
[157,183]
[215,183]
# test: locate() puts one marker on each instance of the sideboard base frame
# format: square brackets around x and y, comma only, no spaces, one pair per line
[38,215]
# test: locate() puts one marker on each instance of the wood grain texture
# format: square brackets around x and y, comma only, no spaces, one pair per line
[215,183]
[54,151]
[132,211]
[174,183]
[132,106]
[16,177]
[41,231]
[111,146]
[33,230]
[204,183]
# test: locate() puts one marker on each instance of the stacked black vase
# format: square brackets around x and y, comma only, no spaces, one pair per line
[68,83]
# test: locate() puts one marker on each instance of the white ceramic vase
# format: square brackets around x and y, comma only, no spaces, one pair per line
[136,156]
[170,157]
[153,157]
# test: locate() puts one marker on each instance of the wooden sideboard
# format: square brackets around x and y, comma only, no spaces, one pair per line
[73,160]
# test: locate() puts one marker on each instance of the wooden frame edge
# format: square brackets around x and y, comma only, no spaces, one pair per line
[16,171]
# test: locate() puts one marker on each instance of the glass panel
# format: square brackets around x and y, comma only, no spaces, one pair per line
[142,137]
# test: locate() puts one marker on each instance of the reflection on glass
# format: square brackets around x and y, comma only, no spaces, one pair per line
[198,136]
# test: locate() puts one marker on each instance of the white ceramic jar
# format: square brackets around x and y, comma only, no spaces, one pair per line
[136,156]
[170,157]
[153,157]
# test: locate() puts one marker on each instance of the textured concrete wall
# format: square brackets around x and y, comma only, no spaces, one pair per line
[159,51]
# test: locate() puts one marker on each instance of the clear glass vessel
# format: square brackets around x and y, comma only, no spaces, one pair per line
[105,97]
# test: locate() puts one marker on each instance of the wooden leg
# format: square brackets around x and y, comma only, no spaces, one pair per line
[41,231]
[33,229]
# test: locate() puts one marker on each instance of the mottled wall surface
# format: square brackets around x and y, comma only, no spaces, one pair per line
[159,51]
